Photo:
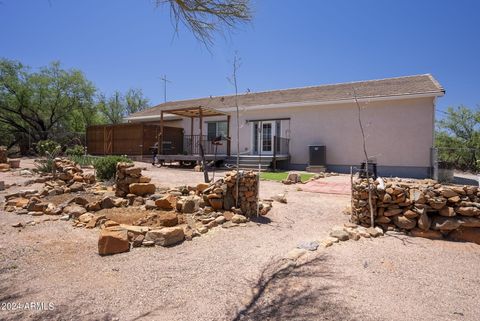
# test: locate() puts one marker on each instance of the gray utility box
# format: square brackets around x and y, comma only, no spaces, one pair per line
[317,155]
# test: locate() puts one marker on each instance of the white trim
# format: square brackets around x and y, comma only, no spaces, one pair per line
[310,103]
[153,117]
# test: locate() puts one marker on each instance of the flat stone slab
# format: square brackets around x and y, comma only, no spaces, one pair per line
[309,246]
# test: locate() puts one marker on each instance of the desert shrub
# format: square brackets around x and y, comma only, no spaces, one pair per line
[84,160]
[106,166]
[45,147]
[77,150]
[45,164]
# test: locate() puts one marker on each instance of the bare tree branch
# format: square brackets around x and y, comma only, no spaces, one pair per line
[207,17]
[364,141]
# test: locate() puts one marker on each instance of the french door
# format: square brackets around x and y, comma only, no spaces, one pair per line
[263,133]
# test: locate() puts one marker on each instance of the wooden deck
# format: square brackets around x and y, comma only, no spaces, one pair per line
[246,160]
[173,158]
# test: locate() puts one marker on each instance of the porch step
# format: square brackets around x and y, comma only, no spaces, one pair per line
[250,163]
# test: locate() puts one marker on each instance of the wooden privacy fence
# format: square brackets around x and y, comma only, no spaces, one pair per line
[130,139]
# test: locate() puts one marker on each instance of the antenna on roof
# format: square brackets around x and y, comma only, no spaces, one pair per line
[165,80]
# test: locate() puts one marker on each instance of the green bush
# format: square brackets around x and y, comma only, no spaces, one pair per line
[106,166]
[83,160]
[45,147]
[77,150]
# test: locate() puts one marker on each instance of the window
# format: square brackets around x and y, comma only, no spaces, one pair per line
[215,129]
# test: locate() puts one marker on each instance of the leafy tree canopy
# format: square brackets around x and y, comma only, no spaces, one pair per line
[115,108]
[55,103]
[458,137]
[38,104]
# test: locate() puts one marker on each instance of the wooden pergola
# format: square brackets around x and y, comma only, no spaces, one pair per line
[192,113]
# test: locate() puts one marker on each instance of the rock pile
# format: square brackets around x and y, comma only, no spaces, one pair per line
[425,208]
[247,191]
[69,172]
[222,195]
[129,180]
[294,178]
[175,215]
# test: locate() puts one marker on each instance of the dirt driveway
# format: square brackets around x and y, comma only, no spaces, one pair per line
[238,273]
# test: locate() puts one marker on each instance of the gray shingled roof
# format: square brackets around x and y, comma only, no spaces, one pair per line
[409,85]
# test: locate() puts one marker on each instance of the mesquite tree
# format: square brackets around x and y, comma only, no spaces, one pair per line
[39,104]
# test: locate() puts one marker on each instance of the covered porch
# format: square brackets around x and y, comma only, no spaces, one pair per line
[262,141]
[194,147]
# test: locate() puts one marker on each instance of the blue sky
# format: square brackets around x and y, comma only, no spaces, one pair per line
[120,44]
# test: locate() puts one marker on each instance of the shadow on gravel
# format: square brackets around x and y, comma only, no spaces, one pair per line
[260,219]
[285,291]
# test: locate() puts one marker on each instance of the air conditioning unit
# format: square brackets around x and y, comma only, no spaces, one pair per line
[317,155]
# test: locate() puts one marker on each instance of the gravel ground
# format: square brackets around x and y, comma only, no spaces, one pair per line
[238,274]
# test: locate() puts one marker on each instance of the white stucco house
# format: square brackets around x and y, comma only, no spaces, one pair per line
[398,116]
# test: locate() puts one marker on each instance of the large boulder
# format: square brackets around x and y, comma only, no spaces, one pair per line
[168,202]
[166,236]
[113,240]
[142,189]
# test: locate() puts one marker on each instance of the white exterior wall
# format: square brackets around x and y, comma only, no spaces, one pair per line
[398,132]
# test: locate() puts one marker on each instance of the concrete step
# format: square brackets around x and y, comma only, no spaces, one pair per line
[249,166]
